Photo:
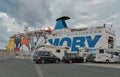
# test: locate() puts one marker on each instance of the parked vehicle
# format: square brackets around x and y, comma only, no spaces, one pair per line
[105,55]
[45,57]
[72,58]
[56,50]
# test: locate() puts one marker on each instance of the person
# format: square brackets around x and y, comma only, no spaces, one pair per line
[85,57]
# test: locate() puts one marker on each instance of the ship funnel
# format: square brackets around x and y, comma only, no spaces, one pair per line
[61,24]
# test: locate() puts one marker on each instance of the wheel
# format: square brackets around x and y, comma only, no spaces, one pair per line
[37,62]
[107,61]
[70,61]
[81,61]
[42,61]
[57,61]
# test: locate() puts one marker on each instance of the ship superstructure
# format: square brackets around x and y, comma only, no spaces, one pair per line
[90,37]
[62,35]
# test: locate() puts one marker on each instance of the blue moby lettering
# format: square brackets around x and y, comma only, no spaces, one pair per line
[76,42]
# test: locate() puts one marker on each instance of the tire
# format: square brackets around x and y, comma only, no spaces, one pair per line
[37,62]
[70,61]
[107,61]
[57,61]
[42,61]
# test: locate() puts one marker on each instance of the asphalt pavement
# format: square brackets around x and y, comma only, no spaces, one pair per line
[17,68]
[27,68]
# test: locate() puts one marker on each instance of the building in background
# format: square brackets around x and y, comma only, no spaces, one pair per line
[3,52]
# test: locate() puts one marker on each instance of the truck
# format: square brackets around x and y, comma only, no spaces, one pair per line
[58,51]
[104,55]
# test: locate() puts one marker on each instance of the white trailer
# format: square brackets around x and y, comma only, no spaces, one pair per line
[59,51]
[105,55]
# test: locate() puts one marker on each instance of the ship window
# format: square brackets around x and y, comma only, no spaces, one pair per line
[99,31]
[86,32]
[83,32]
[91,32]
[110,42]
[95,31]
[58,51]
[101,51]
[80,32]
[71,33]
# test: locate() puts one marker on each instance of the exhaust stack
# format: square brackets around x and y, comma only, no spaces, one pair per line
[61,24]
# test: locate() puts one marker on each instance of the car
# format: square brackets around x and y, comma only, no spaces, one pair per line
[45,57]
[72,58]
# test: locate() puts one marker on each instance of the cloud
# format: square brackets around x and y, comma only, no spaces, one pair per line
[34,13]
[4,36]
[42,13]
[8,27]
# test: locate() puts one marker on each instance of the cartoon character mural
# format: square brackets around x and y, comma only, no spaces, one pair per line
[31,40]
[25,40]
[17,41]
[11,45]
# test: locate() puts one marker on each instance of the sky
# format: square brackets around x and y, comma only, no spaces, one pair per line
[37,14]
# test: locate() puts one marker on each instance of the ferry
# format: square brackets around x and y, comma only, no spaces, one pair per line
[72,38]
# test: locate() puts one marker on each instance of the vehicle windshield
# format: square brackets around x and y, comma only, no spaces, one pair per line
[36,53]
